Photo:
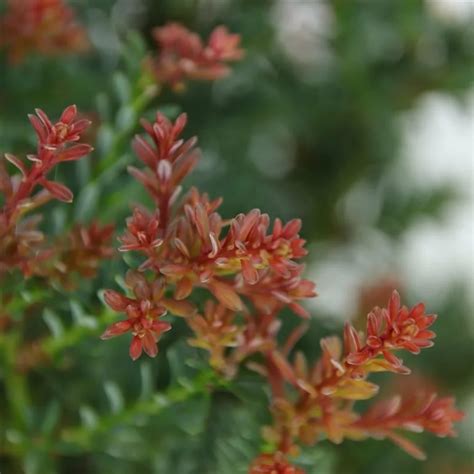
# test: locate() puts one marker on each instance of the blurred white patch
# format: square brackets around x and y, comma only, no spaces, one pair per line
[452,10]
[273,151]
[361,206]
[466,426]
[439,149]
[210,163]
[303,30]
[439,142]
[342,270]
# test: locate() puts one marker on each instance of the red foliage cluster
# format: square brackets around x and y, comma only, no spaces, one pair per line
[252,271]
[21,241]
[187,244]
[417,412]
[249,267]
[80,251]
[183,56]
[390,329]
[142,313]
[46,26]
[313,402]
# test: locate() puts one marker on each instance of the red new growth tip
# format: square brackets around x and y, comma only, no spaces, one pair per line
[143,313]
[183,56]
[57,142]
[146,333]
[390,329]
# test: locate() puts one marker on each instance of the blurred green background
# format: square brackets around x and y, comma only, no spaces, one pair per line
[356,117]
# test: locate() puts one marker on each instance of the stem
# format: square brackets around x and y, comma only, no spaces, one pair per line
[82,439]
[274,379]
[121,138]
[24,190]
[85,437]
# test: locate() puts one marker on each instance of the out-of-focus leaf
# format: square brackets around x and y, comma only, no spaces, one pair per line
[146,377]
[86,202]
[122,87]
[80,317]
[51,417]
[88,416]
[114,396]
[53,322]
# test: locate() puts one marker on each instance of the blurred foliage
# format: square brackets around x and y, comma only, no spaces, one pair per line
[304,120]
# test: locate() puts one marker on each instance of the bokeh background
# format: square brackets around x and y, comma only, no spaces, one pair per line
[357,117]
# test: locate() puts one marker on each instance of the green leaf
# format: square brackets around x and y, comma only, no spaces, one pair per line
[79,316]
[54,323]
[105,138]
[88,416]
[122,87]
[86,202]
[103,106]
[51,418]
[125,118]
[182,359]
[134,51]
[114,396]
[146,377]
